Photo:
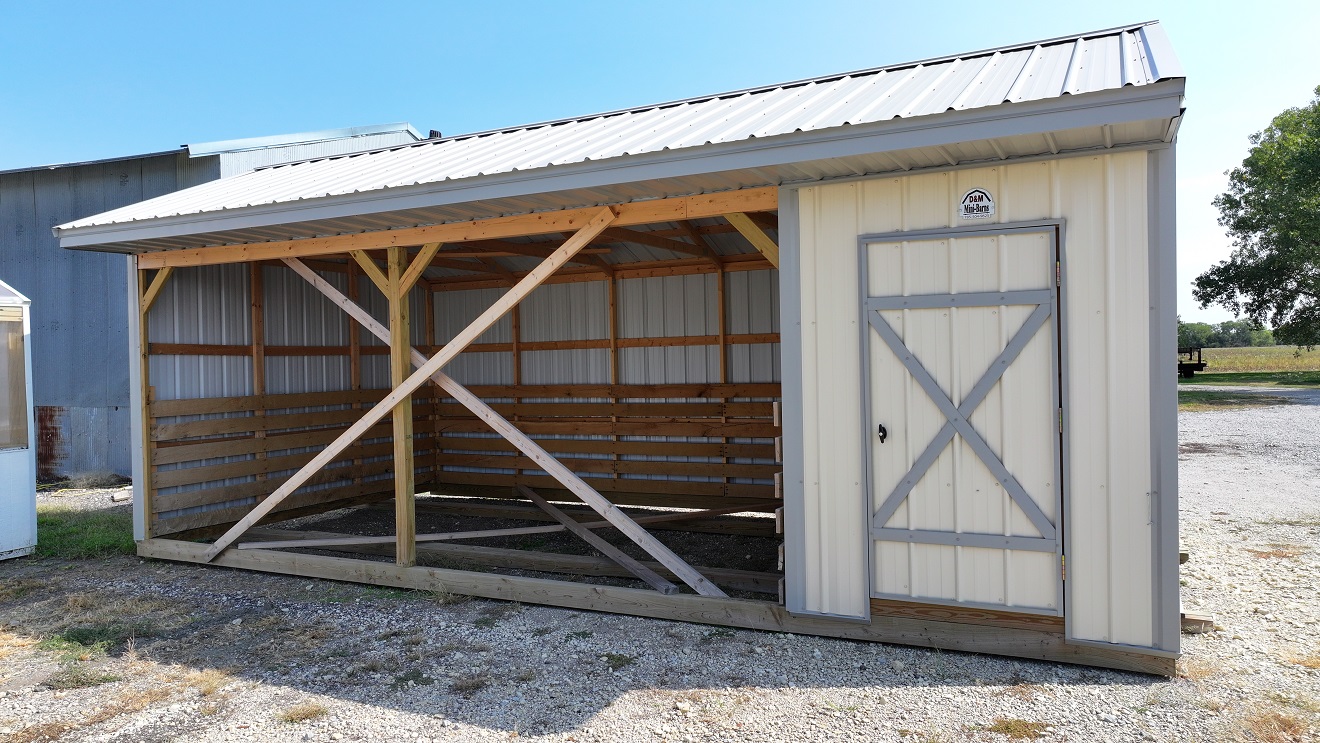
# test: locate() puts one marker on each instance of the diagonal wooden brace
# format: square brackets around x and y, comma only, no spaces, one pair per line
[410,385]
[624,560]
[525,444]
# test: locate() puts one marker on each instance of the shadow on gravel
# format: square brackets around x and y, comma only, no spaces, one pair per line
[205,634]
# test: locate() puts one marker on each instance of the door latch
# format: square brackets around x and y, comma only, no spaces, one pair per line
[884,433]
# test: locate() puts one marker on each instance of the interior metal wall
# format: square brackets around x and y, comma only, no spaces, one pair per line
[1107,386]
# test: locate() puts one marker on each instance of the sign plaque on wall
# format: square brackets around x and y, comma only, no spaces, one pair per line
[976,204]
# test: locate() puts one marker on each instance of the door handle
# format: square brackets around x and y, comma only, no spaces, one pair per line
[884,433]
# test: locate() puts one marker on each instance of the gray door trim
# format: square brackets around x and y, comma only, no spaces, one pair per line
[971,299]
[1053,229]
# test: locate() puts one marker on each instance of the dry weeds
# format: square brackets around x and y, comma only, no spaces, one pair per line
[1025,692]
[1198,669]
[1281,551]
[45,731]
[304,712]
[1306,661]
[1273,727]
[1017,729]
[208,681]
[130,702]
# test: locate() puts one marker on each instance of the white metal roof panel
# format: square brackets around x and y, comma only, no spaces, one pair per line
[1130,56]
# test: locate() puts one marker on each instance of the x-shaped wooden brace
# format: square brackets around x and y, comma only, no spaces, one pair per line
[958,415]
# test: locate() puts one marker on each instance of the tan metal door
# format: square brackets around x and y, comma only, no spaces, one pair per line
[962,387]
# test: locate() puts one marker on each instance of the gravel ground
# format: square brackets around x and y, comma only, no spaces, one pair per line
[219,655]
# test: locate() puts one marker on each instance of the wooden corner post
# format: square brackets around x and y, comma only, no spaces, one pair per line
[149,292]
[405,516]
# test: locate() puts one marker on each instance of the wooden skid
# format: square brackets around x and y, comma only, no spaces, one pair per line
[760,615]
[544,562]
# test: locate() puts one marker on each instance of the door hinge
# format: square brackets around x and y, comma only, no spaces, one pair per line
[1060,420]
[1058,273]
[1063,567]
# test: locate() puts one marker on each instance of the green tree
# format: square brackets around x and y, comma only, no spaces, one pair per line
[1194,334]
[1272,212]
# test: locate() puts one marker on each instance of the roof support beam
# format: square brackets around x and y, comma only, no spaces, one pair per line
[540,223]
[418,267]
[589,230]
[756,236]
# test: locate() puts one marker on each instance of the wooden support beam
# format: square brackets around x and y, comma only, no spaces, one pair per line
[372,270]
[539,223]
[694,234]
[755,235]
[647,575]
[405,518]
[418,267]
[551,466]
[157,284]
[418,378]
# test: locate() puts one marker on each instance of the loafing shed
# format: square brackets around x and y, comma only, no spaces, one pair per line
[912,322]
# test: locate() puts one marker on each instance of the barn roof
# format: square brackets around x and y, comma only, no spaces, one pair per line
[792,132]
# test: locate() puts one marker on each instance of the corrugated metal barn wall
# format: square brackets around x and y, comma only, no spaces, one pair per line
[79,322]
[79,347]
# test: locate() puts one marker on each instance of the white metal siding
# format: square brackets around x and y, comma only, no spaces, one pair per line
[1107,367]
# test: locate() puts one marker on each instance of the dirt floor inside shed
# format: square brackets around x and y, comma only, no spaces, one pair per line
[121,649]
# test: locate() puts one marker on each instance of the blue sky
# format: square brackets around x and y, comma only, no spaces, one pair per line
[88,80]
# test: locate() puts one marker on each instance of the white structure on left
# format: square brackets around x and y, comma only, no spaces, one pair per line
[18,457]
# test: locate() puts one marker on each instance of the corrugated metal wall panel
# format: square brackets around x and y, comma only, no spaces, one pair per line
[296,314]
[207,304]
[79,320]
[1103,200]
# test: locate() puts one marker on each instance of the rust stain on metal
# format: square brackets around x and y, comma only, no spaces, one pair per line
[52,447]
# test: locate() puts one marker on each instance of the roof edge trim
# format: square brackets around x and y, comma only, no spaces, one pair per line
[203,149]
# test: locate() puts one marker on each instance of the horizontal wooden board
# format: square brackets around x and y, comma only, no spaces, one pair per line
[629,467]
[299,504]
[209,349]
[214,405]
[625,427]
[714,490]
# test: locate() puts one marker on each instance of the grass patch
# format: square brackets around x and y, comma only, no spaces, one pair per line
[78,676]
[303,712]
[542,631]
[581,634]
[1304,703]
[68,534]
[41,732]
[1196,669]
[1017,729]
[209,681]
[1307,661]
[717,634]
[470,683]
[411,678]
[1274,727]
[616,660]
[1200,401]
[1303,522]
[1280,551]
[1265,360]
[16,589]
[130,702]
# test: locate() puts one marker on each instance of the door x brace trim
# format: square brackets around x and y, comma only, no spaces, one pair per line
[957,415]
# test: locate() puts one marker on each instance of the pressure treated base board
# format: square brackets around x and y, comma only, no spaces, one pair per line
[760,615]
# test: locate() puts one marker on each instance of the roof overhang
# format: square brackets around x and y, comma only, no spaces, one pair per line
[1127,116]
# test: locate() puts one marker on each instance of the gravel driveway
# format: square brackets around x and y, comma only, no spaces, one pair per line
[218,655]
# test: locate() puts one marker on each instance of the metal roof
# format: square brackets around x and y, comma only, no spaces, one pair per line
[1024,79]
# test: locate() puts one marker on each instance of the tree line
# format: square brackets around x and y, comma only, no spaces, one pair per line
[1227,334]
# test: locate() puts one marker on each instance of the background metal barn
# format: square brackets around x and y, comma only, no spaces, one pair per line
[81,352]
[920,314]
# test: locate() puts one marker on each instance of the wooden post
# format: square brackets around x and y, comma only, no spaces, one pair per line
[257,292]
[405,516]
[147,297]
[354,354]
